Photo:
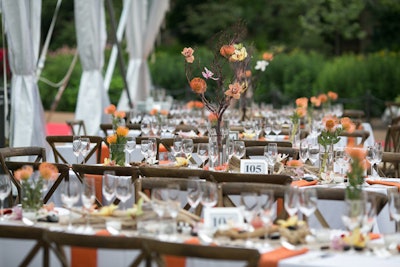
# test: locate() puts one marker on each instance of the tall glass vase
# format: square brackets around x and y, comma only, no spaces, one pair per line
[117,154]
[218,135]
[326,163]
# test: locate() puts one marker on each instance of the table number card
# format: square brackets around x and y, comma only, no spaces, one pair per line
[256,166]
[216,217]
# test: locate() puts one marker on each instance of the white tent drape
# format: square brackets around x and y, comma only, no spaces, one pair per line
[22,24]
[91,39]
[142,27]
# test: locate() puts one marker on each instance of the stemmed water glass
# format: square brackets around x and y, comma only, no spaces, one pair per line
[145,126]
[158,198]
[313,152]
[177,146]
[88,198]
[291,199]
[308,201]
[250,205]
[370,156]
[277,129]
[70,193]
[202,128]
[213,153]
[123,189]
[303,150]
[209,194]
[76,146]
[267,206]
[173,202]
[394,207]
[109,185]
[271,153]
[130,146]
[85,147]
[145,147]
[341,158]
[5,189]
[187,147]
[267,129]
[239,149]
[202,152]
[194,192]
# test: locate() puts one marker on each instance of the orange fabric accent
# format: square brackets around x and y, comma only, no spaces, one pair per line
[105,152]
[271,258]
[164,162]
[301,183]
[351,141]
[279,206]
[371,182]
[162,148]
[373,236]
[286,137]
[173,261]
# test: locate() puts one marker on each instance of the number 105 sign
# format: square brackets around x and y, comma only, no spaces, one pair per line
[257,166]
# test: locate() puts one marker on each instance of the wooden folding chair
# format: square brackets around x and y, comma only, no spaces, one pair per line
[63,170]
[108,127]
[259,151]
[77,127]
[221,177]
[58,240]
[57,140]
[28,233]
[30,154]
[157,250]
[392,138]
[154,171]
[390,165]
[363,134]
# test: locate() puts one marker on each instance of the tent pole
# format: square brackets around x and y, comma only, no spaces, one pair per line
[121,62]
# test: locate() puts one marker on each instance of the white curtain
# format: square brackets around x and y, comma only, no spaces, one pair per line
[91,38]
[142,27]
[22,25]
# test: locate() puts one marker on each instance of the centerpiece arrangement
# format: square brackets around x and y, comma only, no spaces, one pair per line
[225,75]
[117,140]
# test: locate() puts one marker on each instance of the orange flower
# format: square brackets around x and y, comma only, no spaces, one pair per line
[212,117]
[194,104]
[332,95]
[302,102]
[153,112]
[301,111]
[356,152]
[234,90]
[348,125]
[110,109]
[323,98]
[24,173]
[198,85]
[122,131]
[315,101]
[294,163]
[112,139]
[330,123]
[164,112]
[119,114]
[248,73]
[268,56]
[227,50]
[48,171]
[188,54]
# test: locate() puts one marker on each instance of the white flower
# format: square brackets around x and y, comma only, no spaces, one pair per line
[261,65]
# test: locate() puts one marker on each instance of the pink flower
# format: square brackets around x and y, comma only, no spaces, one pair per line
[187,52]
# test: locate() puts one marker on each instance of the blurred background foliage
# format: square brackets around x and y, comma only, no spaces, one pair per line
[348,46]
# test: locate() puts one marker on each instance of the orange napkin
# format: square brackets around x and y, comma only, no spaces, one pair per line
[86,257]
[173,261]
[271,258]
[105,152]
[371,182]
[301,183]
[373,236]
[162,148]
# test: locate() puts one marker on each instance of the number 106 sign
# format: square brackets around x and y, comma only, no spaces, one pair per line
[256,166]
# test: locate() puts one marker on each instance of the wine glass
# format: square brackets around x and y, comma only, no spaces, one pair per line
[76,146]
[5,189]
[303,150]
[341,158]
[158,201]
[394,207]
[209,194]
[291,199]
[313,152]
[155,126]
[239,149]
[70,192]
[123,189]
[187,147]
[213,153]
[194,191]
[145,126]
[202,128]
[271,153]
[369,218]
[378,157]
[353,214]
[88,197]
[177,146]
[277,129]
[308,201]
[267,130]
[145,146]
[130,146]
[267,206]
[85,147]
[250,207]
[109,185]
[370,156]
[202,151]
[152,149]
[173,202]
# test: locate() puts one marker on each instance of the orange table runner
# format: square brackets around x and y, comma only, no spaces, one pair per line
[272,258]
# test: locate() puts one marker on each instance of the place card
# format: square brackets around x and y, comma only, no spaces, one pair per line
[216,217]
[234,135]
[256,166]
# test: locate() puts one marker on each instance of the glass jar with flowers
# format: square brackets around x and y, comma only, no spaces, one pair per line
[329,136]
[298,114]
[33,184]
[225,75]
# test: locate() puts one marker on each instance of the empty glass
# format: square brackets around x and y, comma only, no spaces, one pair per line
[194,191]
[187,147]
[303,150]
[308,201]
[250,206]
[159,197]
[177,146]
[124,189]
[88,197]
[145,126]
[85,147]
[291,199]
[70,193]
[202,152]
[209,194]
[109,185]
[5,190]
[271,154]
[239,149]
[267,206]
[76,147]
[394,207]
[130,146]
[313,153]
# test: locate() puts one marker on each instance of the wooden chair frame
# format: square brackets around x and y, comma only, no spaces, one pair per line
[77,127]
